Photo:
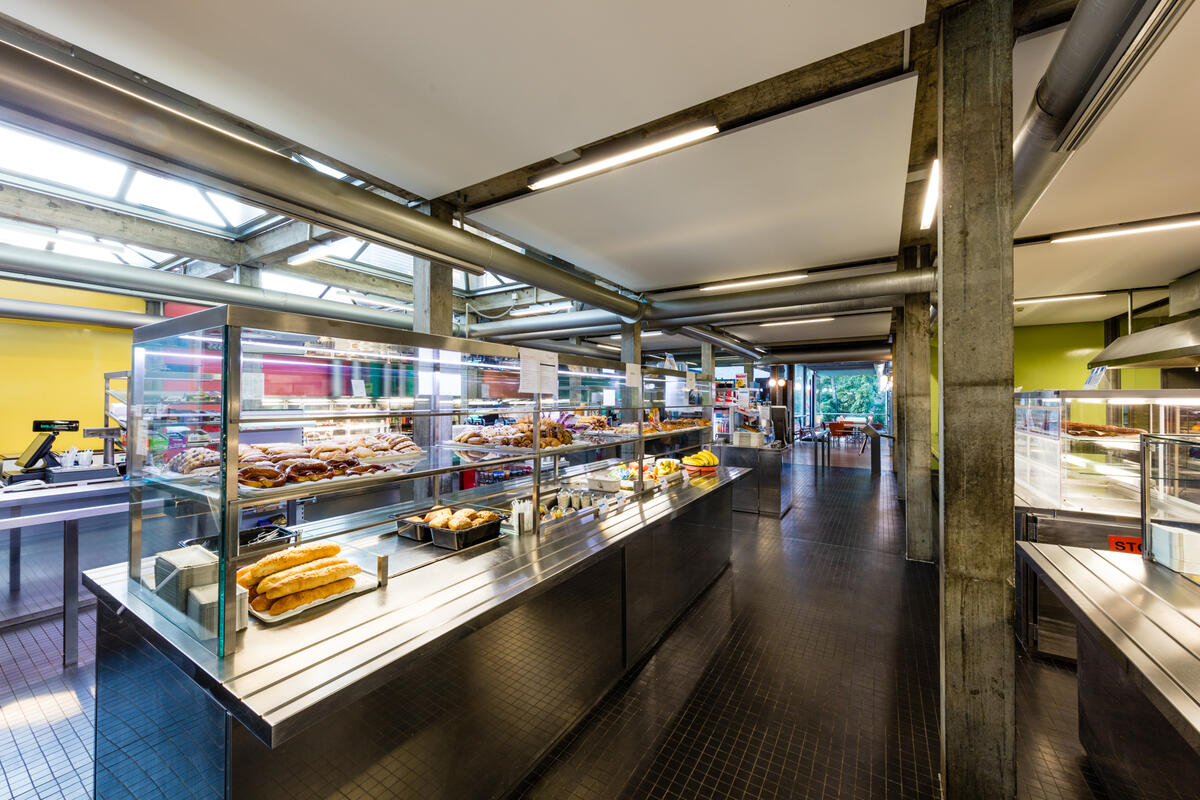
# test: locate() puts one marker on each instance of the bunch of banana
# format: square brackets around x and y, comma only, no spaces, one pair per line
[704,458]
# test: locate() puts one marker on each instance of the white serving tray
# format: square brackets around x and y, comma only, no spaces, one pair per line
[363,582]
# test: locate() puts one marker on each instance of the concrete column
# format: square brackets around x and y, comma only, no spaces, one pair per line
[975,355]
[708,371]
[899,406]
[914,342]
[249,276]
[433,285]
[631,352]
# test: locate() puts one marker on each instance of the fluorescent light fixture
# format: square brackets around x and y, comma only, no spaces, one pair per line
[608,347]
[716,287]
[319,251]
[551,308]
[646,150]
[796,322]
[1063,299]
[644,334]
[1132,229]
[75,240]
[932,189]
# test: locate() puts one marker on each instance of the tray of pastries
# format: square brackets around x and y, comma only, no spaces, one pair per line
[292,581]
[270,466]
[456,528]
[518,436]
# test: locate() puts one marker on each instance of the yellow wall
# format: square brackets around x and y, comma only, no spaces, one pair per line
[1055,356]
[56,371]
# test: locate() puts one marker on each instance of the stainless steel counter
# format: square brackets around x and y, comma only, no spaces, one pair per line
[1138,665]
[295,674]
[769,490]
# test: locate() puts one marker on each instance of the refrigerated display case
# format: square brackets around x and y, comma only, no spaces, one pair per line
[255,430]
[1078,450]
[1171,502]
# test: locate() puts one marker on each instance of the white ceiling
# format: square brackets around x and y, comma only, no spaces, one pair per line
[1141,160]
[846,327]
[436,96]
[819,186]
[1123,262]
[1082,310]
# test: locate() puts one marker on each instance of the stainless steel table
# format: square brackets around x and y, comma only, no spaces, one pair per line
[1138,665]
[769,490]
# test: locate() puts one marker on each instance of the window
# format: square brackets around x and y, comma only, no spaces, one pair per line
[236,213]
[385,258]
[28,154]
[278,282]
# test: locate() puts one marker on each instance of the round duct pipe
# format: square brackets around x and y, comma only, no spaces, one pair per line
[53,312]
[867,289]
[78,108]
[831,354]
[46,265]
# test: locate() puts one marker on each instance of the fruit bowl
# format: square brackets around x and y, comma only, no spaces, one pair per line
[699,470]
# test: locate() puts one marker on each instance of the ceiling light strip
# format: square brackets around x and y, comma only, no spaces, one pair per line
[1126,231]
[645,151]
[932,191]
[796,322]
[1063,299]
[716,287]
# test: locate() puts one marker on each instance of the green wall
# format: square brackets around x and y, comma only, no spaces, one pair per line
[1055,356]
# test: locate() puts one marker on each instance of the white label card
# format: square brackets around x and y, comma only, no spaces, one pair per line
[690,380]
[633,375]
[358,387]
[254,385]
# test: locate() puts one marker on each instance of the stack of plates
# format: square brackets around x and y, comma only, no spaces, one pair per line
[176,571]
[202,606]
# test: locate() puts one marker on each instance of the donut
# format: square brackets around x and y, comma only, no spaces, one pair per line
[309,469]
[263,476]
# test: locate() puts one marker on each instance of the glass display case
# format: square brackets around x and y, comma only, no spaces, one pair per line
[254,433]
[1171,502]
[1079,450]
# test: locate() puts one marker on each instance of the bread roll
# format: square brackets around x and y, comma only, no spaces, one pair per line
[292,601]
[311,579]
[243,577]
[274,579]
[292,557]
[261,603]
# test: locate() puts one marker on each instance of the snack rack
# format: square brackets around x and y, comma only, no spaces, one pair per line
[230,375]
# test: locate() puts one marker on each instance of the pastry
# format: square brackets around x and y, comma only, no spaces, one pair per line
[366,469]
[292,557]
[263,476]
[274,579]
[311,579]
[308,469]
[303,598]
[193,458]
[361,452]
[342,464]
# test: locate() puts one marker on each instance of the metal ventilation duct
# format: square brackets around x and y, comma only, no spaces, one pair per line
[1174,345]
[71,105]
[77,315]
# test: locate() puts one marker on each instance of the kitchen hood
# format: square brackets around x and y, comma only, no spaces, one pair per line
[1174,345]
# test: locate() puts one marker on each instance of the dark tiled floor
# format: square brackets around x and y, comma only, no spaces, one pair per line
[808,670]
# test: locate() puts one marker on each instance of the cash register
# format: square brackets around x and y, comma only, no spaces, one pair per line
[39,462]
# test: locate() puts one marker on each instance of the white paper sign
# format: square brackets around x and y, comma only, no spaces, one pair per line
[633,375]
[610,396]
[690,380]
[539,372]
[254,385]
[358,387]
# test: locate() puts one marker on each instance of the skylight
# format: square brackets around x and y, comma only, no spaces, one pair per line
[172,196]
[38,157]
[235,212]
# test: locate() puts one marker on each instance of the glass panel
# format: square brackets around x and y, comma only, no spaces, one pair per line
[176,424]
[39,157]
[278,282]
[385,258]
[237,212]
[175,197]
[1171,525]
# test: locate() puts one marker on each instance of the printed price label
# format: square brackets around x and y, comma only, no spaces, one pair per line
[690,380]
[358,387]
[254,385]
[539,372]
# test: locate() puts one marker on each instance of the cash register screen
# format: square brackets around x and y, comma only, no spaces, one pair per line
[36,450]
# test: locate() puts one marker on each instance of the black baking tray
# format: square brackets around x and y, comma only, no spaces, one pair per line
[262,535]
[411,530]
[457,540]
